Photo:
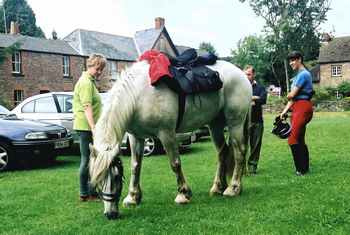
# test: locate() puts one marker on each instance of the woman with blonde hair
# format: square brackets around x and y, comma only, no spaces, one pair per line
[87,109]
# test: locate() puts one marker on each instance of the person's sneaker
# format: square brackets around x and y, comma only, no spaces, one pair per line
[298,173]
[93,198]
[83,198]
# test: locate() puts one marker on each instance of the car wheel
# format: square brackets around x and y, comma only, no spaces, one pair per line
[151,146]
[5,160]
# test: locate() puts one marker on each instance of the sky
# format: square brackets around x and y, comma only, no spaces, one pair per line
[189,22]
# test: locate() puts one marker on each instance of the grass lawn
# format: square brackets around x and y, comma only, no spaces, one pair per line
[45,200]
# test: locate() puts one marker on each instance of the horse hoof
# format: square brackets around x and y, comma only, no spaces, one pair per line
[112,215]
[181,199]
[215,191]
[232,191]
[129,201]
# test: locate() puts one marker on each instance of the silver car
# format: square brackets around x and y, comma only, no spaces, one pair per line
[56,107]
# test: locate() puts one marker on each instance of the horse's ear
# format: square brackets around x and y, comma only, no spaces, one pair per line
[92,151]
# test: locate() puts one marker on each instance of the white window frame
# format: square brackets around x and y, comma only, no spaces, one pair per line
[16,62]
[66,66]
[18,96]
[113,69]
[336,70]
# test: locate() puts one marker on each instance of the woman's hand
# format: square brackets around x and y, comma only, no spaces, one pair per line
[283,115]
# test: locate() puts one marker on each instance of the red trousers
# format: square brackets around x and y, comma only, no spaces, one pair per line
[302,112]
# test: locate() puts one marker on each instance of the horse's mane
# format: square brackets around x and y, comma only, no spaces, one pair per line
[118,109]
[116,114]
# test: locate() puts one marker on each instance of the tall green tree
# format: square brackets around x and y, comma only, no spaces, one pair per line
[207,46]
[291,25]
[252,50]
[22,13]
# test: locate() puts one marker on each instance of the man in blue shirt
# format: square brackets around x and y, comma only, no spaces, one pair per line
[256,129]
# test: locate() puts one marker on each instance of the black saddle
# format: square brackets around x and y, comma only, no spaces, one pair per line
[191,76]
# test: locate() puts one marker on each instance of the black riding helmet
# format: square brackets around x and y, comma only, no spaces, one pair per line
[281,128]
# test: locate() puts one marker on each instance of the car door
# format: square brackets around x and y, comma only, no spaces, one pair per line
[42,109]
[65,109]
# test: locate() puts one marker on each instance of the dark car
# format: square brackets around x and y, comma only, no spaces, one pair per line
[24,140]
[201,132]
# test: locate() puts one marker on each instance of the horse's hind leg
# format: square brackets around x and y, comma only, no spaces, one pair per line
[170,144]
[135,194]
[217,134]
[238,145]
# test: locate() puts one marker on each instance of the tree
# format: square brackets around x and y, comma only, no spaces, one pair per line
[8,51]
[291,25]
[252,50]
[22,13]
[207,46]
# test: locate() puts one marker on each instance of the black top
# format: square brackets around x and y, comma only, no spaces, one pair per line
[257,113]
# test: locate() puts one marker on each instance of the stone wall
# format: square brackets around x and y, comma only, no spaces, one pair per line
[324,106]
[327,80]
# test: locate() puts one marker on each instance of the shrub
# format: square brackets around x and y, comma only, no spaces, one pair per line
[344,89]
[346,103]
[4,102]
[323,94]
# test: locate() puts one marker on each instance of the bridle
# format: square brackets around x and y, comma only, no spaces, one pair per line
[116,166]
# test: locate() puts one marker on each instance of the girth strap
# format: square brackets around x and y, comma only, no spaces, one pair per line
[182,104]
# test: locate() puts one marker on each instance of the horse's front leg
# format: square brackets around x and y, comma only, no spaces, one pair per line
[135,194]
[171,147]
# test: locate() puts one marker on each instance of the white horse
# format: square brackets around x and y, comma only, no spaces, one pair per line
[138,108]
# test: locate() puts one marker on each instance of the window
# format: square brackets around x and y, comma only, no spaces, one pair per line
[18,96]
[336,70]
[28,107]
[112,70]
[41,105]
[16,62]
[45,105]
[66,103]
[65,65]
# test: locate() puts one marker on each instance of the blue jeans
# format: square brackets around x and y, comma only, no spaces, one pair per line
[85,138]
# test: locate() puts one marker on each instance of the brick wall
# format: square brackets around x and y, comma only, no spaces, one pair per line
[325,74]
[105,83]
[43,72]
[40,71]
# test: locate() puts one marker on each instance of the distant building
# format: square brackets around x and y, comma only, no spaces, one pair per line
[334,61]
[44,65]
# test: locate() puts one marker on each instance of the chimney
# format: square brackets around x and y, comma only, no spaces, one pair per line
[326,37]
[159,22]
[54,35]
[14,28]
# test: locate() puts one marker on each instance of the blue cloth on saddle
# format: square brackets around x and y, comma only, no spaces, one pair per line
[190,58]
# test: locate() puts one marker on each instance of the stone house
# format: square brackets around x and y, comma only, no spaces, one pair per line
[334,61]
[44,65]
